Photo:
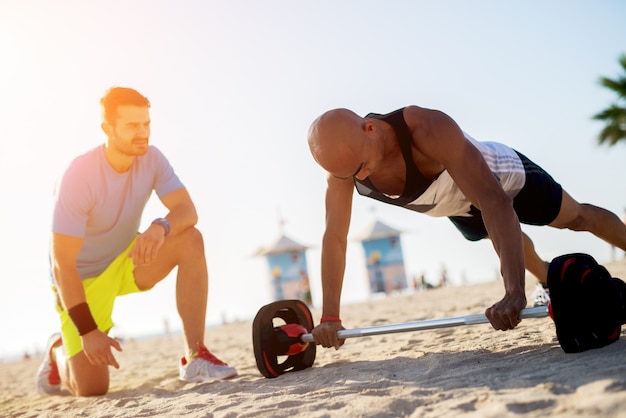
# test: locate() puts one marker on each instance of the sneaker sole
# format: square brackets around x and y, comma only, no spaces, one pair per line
[209,379]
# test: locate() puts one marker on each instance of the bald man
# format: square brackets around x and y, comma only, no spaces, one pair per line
[420,159]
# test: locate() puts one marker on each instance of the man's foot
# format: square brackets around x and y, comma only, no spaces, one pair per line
[541,295]
[204,367]
[48,380]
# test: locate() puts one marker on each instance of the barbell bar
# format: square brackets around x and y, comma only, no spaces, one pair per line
[534,312]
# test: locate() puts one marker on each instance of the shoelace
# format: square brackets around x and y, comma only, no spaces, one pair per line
[205,354]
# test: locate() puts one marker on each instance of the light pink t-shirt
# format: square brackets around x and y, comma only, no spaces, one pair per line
[94,202]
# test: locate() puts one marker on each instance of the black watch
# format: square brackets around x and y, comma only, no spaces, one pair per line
[164,223]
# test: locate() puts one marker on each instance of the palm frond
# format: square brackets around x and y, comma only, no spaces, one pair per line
[614,116]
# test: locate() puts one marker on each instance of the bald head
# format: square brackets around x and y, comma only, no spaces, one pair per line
[333,134]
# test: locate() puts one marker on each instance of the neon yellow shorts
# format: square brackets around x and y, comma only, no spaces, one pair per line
[118,279]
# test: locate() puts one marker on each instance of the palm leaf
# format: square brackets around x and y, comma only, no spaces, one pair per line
[614,116]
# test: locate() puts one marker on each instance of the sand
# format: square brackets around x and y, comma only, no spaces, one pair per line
[466,371]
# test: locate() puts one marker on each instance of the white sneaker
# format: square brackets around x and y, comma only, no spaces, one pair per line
[204,367]
[48,380]
[541,295]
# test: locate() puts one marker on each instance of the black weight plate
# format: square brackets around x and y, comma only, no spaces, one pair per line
[268,360]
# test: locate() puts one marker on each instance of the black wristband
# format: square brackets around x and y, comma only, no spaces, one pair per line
[82,318]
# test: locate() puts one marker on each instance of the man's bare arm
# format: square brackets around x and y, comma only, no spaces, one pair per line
[440,139]
[334,243]
[182,215]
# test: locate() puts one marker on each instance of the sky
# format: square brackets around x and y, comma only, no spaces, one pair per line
[234,87]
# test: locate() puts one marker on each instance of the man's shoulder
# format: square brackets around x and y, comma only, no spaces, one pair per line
[414,113]
[87,155]
[422,121]
[153,150]
[85,160]
[153,156]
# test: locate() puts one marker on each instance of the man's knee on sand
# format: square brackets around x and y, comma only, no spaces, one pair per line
[86,379]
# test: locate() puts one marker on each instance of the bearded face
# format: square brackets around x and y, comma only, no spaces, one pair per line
[130,133]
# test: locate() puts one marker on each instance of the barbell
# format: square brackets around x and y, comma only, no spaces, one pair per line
[286,346]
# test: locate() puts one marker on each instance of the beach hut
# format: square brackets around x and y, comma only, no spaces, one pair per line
[289,275]
[383,257]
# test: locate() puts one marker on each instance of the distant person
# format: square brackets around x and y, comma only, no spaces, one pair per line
[97,252]
[305,288]
[421,160]
[424,285]
[443,280]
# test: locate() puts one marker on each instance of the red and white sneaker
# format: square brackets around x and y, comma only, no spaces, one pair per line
[204,367]
[48,380]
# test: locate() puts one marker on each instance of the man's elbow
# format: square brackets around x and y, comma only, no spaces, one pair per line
[193,216]
[334,240]
[496,203]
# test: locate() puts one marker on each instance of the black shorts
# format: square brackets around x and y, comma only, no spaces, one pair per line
[538,203]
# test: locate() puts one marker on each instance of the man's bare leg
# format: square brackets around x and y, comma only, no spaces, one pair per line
[585,217]
[534,264]
[192,291]
[186,251]
[80,376]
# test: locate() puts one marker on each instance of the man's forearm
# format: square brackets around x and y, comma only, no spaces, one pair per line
[333,267]
[69,287]
[181,218]
[506,236]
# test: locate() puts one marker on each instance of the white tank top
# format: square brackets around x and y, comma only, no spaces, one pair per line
[444,198]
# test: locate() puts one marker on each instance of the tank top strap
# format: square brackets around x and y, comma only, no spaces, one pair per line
[415,183]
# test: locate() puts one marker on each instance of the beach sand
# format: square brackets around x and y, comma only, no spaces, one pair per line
[466,371]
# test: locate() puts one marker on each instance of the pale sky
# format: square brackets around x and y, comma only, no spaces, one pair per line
[234,86]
